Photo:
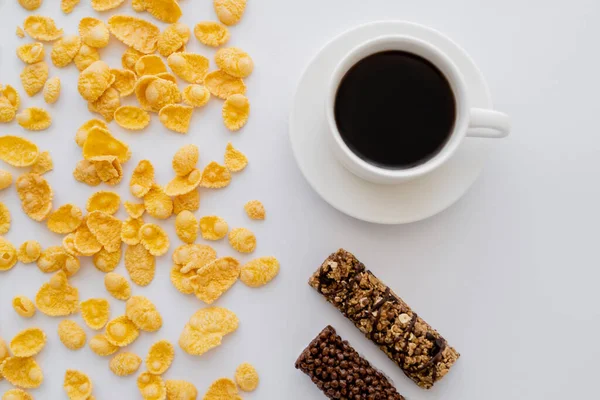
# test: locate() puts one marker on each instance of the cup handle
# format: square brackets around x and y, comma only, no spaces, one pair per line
[486,123]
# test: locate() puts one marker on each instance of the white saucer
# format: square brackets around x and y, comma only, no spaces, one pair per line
[383,204]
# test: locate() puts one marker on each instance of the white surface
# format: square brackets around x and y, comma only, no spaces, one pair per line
[509,274]
[317,151]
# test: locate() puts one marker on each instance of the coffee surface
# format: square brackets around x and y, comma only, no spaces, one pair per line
[395,109]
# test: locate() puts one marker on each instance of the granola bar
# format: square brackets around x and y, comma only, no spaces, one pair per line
[340,372]
[418,349]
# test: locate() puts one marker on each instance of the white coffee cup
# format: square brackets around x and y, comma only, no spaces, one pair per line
[469,122]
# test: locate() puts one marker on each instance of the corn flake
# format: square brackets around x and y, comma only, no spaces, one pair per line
[160,356]
[152,387]
[213,227]
[107,261]
[67,6]
[246,377]
[132,117]
[94,32]
[124,81]
[107,104]
[142,179]
[235,160]
[140,264]
[56,258]
[86,56]
[34,76]
[153,93]
[196,95]
[5,179]
[95,313]
[130,58]
[121,331]
[85,242]
[68,244]
[214,279]
[164,10]
[64,50]
[124,364]
[36,196]
[29,251]
[185,159]
[94,80]
[143,313]
[30,5]
[260,271]
[229,12]
[20,32]
[193,256]
[7,111]
[134,210]
[173,39]
[77,385]
[8,255]
[31,53]
[71,334]
[211,33]
[34,119]
[85,172]
[134,32]
[10,94]
[23,306]
[22,372]
[130,231]
[181,280]
[215,176]
[16,394]
[180,390]
[150,64]
[42,28]
[108,168]
[190,67]
[28,342]
[4,219]
[206,329]
[43,164]
[105,5]
[223,85]
[105,201]
[186,227]
[234,61]
[65,219]
[106,229]
[189,201]
[117,286]
[255,210]
[184,184]
[242,240]
[236,111]
[83,131]
[158,204]
[101,346]
[154,239]
[100,142]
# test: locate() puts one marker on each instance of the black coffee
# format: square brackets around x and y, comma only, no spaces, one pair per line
[395,109]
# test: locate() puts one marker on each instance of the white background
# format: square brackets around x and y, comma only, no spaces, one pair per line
[509,275]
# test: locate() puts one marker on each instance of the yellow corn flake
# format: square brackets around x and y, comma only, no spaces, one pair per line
[214,279]
[36,196]
[23,306]
[43,164]
[29,251]
[181,280]
[242,240]
[124,364]
[7,111]
[121,331]
[213,227]
[134,210]
[95,313]
[56,258]
[77,385]
[260,271]
[206,329]
[150,64]
[34,76]
[105,201]
[154,239]
[34,119]
[4,219]
[130,231]
[196,95]
[223,85]
[65,219]
[4,353]
[101,346]
[140,264]
[117,286]
[94,32]
[153,93]
[16,394]
[160,356]
[173,39]
[185,159]
[229,12]
[223,388]
[157,203]
[234,61]
[192,257]
[235,160]
[215,176]
[86,56]
[246,377]
[64,50]
[107,104]
[135,32]
[105,5]
[190,67]
[71,334]
[186,227]
[30,5]
[85,172]
[184,184]
[189,201]
[180,390]
[107,261]
[168,77]
[143,314]
[132,117]
[152,387]
[5,179]
[106,229]
[236,111]
[8,255]
[124,81]
[10,93]
[42,28]
[142,179]
[108,169]
[83,131]
[31,53]
[85,242]
[28,342]
[94,80]
[211,33]
[130,58]
[100,142]
[20,32]
[164,10]
[67,6]
[255,210]
[22,372]
[68,243]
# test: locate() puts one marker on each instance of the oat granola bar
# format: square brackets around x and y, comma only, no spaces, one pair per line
[340,372]
[418,349]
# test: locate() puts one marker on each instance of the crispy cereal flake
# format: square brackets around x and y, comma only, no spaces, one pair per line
[214,279]
[22,372]
[176,117]
[107,261]
[5,179]
[56,258]
[130,58]
[100,142]
[134,210]
[180,390]
[246,377]
[189,201]
[213,227]
[186,227]
[71,334]
[85,172]
[117,286]
[255,210]
[64,50]
[23,306]
[235,61]
[77,385]
[260,271]
[36,196]
[192,257]
[101,346]
[94,32]
[4,219]
[242,240]
[132,117]
[184,184]
[29,251]
[135,32]
[211,33]
[107,104]
[95,313]
[83,131]
[106,229]
[31,53]
[105,201]
[181,280]
[67,6]
[65,219]
[16,394]
[196,95]
[10,93]
[190,67]
[130,231]
[150,64]
[41,28]
[8,255]
[153,93]
[154,239]
[108,168]
[185,159]
[164,10]
[160,356]
[7,111]
[94,80]
[152,387]
[105,5]
[140,264]
[142,179]
[86,56]
[34,76]
[143,313]
[20,32]
[173,39]
[121,331]
[223,85]
[28,342]
[68,244]
[124,364]
[30,5]
[85,242]
[34,119]
[43,164]
[235,160]
[236,111]
[124,81]
[229,12]
[215,176]
[206,328]
[158,204]
[223,388]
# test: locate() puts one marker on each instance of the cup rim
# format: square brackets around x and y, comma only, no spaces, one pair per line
[452,74]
